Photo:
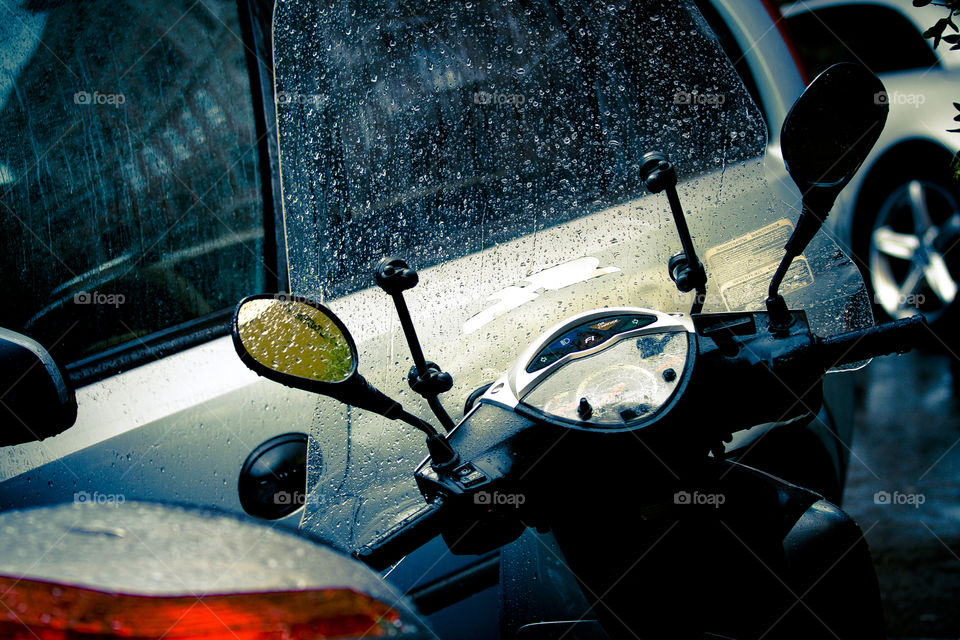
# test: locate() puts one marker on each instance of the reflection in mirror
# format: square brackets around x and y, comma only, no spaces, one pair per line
[296,339]
[834,125]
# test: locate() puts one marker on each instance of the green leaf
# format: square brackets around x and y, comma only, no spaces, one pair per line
[936,29]
[936,32]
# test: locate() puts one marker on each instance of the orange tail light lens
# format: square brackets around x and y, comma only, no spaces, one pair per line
[36,610]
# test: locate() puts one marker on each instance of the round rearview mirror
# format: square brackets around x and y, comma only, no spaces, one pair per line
[833,126]
[294,341]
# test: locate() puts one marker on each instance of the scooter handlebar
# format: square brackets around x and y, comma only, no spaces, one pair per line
[891,337]
[429,521]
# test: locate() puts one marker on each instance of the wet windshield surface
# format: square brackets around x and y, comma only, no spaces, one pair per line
[496,147]
[437,131]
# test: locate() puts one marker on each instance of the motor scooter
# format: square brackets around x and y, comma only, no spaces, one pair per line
[611,430]
[599,432]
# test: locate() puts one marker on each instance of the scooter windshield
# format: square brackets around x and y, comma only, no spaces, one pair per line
[495,145]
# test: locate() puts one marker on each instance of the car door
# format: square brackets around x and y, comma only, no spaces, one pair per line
[137,192]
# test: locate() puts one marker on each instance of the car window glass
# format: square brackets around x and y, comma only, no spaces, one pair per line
[128,169]
[859,33]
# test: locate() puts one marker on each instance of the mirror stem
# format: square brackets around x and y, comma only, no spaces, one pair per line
[816,205]
[395,276]
[685,268]
[441,453]
[686,240]
[365,396]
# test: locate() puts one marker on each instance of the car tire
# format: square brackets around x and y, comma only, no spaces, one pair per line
[906,239]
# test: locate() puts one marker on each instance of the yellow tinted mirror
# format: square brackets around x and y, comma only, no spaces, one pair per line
[295,338]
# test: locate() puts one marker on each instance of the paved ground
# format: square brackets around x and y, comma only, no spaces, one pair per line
[907,446]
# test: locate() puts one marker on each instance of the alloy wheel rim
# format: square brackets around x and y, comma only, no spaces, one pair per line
[916,230]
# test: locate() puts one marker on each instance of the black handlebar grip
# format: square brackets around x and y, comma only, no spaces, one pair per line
[407,536]
[891,337]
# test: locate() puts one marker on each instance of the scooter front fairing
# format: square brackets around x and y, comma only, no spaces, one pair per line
[496,146]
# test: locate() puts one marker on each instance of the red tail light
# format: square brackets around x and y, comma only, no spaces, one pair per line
[35,610]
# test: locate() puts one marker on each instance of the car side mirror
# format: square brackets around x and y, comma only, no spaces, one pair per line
[37,402]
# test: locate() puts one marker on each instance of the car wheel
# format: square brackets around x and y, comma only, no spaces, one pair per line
[911,252]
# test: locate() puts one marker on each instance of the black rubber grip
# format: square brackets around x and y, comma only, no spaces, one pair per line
[891,337]
[410,534]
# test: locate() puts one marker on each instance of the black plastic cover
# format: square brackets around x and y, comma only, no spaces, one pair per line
[36,402]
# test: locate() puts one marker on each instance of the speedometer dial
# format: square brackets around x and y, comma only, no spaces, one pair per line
[628,382]
[627,389]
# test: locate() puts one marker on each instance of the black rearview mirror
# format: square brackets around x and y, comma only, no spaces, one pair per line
[294,341]
[302,344]
[831,129]
[827,135]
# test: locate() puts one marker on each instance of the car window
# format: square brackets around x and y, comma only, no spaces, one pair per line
[129,181]
[881,38]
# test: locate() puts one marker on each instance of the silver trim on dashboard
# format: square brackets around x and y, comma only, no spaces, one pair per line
[520,382]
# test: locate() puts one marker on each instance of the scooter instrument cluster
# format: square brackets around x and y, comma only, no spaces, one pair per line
[611,369]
